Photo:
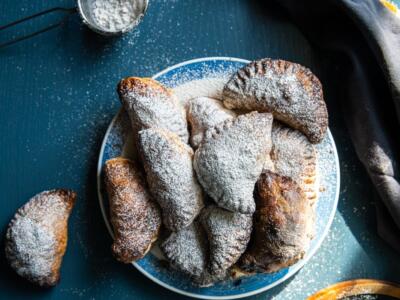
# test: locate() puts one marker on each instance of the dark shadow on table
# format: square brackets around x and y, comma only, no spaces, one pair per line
[298,50]
[268,9]
[357,196]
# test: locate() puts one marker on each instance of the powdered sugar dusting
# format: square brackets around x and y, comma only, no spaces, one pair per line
[187,250]
[149,104]
[34,248]
[289,91]
[136,219]
[229,160]
[295,157]
[171,178]
[300,285]
[208,87]
[225,248]
[117,15]
[204,113]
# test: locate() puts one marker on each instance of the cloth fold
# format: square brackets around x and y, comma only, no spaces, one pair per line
[360,42]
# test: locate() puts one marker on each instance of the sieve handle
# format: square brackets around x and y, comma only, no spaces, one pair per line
[67,11]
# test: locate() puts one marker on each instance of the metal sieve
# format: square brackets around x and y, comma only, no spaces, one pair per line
[85,10]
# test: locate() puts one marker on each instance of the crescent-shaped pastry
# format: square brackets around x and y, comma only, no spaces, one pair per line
[150,104]
[135,217]
[170,175]
[228,234]
[37,236]
[291,92]
[204,113]
[187,250]
[282,225]
[294,156]
[230,160]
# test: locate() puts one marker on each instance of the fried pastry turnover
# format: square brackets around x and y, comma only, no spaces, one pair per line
[230,160]
[36,237]
[150,104]
[294,156]
[135,216]
[170,175]
[291,92]
[204,113]
[228,234]
[282,225]
[187,250]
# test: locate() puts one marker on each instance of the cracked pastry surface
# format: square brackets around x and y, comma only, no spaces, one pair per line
[294,156]
[150,104]
[135,217]
[291,92]
[282,225]
[228,234]
[230,159]
[204,113]
[36,237]
[168,163]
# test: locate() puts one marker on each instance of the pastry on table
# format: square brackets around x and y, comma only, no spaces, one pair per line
[36,237]
[230,159]
[294,156]
[187,250]
[291,92]
[204,113]
[135,216]
[150,104]
[282,224]
[170,176]
[228,234]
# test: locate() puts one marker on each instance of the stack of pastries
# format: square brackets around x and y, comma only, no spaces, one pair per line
[230,182]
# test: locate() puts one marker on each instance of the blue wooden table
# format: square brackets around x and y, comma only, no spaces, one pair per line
[57,97]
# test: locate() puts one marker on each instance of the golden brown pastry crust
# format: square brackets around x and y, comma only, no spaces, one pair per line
[150,104]
[293,156]
[135,217]
[37,236]
[141,85]
[282,224]
[291,92]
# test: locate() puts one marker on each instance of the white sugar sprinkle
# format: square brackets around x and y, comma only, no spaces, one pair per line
[206,87]
[35,246]
[116,15]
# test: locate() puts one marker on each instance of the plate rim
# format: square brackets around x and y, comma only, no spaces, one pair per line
[199,296]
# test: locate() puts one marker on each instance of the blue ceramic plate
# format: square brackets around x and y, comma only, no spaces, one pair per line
[202,73]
